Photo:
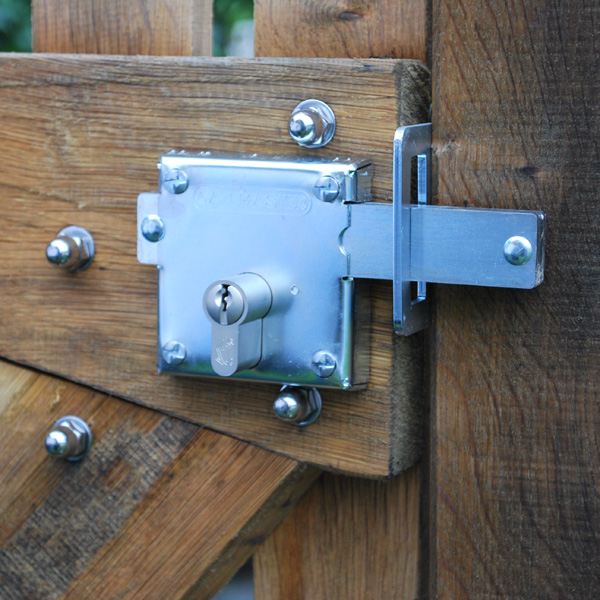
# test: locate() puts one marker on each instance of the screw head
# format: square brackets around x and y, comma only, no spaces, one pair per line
[327,188]
[323,364]
[517,250]
[153,228]
[297,405]
[175,181]
[173,353]
[312,124]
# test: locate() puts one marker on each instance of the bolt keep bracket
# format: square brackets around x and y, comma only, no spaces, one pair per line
[262,259]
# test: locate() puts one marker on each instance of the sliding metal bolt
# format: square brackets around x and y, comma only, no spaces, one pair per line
[73,249]
[312,124]
[298,406]
[70,439]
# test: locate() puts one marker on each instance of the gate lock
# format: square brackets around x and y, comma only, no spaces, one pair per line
[262,259]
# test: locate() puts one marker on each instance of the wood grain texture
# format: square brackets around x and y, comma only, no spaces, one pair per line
[155,27]
[339,28]
[347,538]
[159,509]
[94,127]
[516,438]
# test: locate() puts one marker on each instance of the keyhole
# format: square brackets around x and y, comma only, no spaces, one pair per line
[225,297]
[224,303]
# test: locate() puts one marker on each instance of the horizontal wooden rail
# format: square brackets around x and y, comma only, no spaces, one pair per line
[159,508]
[80,138]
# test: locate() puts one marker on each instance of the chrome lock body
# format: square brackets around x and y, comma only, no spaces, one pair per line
[261,259]
[253,279]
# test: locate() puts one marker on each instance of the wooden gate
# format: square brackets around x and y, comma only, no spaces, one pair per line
[186,480]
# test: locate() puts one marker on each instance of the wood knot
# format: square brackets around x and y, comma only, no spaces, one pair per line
[350,15]
[529,171]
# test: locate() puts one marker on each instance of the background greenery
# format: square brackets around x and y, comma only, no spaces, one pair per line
[15,26]
[15,23]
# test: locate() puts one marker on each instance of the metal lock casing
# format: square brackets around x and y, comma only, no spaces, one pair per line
[280,218]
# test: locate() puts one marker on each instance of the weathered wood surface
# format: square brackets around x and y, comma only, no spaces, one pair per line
[515,452]
[347,538]
[156,27]
[160,508]
[154,495]
[336,28]
[81,137]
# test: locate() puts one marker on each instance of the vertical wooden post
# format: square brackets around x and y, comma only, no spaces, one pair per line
[515,451]
[333,29]
[157,27]
[348,538]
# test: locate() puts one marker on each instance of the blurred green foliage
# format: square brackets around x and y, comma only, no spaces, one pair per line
[15,26]
[15,23]
[226,14]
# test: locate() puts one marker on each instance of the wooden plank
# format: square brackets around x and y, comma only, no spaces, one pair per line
[332,28]
[159,509]
[94,127]
[515,444]
[347,538]
[156,27]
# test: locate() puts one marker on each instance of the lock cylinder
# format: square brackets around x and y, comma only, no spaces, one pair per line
[236,308]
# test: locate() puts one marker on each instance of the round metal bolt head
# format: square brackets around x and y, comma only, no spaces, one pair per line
[70,439]
[57,443]
[323,364]
[327,188]
[305,127]
[173,353]
[153,229]
[72,249]
[297,405]
[289,407]
[175,181]
[517,250]
[224,303]
[63,252]
[312,124]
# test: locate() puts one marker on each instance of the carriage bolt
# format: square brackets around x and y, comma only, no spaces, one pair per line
[72,249]
[312,124]
[297,405]
[70,438]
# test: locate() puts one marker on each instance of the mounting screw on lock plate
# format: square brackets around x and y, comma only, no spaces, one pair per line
[261,261]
